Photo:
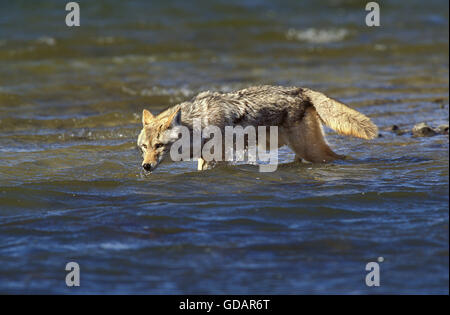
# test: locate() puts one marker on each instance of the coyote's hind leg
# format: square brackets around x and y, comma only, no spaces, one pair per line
[307,140]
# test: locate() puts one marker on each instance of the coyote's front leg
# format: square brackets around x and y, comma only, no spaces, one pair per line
[202,164]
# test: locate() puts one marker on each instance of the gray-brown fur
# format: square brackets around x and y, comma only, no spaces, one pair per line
[256,106]
[298,113]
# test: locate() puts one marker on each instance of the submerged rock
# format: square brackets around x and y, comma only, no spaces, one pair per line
[395,129]
[419,130]
[423,130]
[442,129]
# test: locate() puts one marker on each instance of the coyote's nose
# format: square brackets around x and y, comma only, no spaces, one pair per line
[147,167]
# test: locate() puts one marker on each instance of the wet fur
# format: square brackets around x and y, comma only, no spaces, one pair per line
[298,113]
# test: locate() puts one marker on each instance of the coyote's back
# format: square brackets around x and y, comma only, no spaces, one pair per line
[277,106]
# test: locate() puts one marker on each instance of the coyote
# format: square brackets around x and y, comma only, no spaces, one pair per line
[297,112]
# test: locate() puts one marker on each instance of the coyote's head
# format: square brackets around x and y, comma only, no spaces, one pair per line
[156,137]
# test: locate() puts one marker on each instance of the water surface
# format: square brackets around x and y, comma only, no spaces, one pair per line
[71,187]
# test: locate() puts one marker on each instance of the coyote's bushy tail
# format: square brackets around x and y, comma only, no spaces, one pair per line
[339,117]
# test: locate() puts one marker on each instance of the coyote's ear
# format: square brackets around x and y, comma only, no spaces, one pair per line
[147,117]
[174,119]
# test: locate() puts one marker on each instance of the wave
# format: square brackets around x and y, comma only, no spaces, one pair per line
[318,36]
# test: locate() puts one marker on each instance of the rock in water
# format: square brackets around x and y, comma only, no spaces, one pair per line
[395,129]
[423,130]
[442,129]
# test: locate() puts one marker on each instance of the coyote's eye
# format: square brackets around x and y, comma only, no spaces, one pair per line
[158,145]
[144,146]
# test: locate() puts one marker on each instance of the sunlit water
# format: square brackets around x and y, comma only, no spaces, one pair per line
[71,187]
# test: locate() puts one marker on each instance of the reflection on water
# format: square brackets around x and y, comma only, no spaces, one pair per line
[71,187]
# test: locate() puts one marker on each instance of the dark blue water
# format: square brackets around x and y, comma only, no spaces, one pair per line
[71,187]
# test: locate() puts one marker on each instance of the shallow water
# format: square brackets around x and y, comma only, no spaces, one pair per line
[71,188]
